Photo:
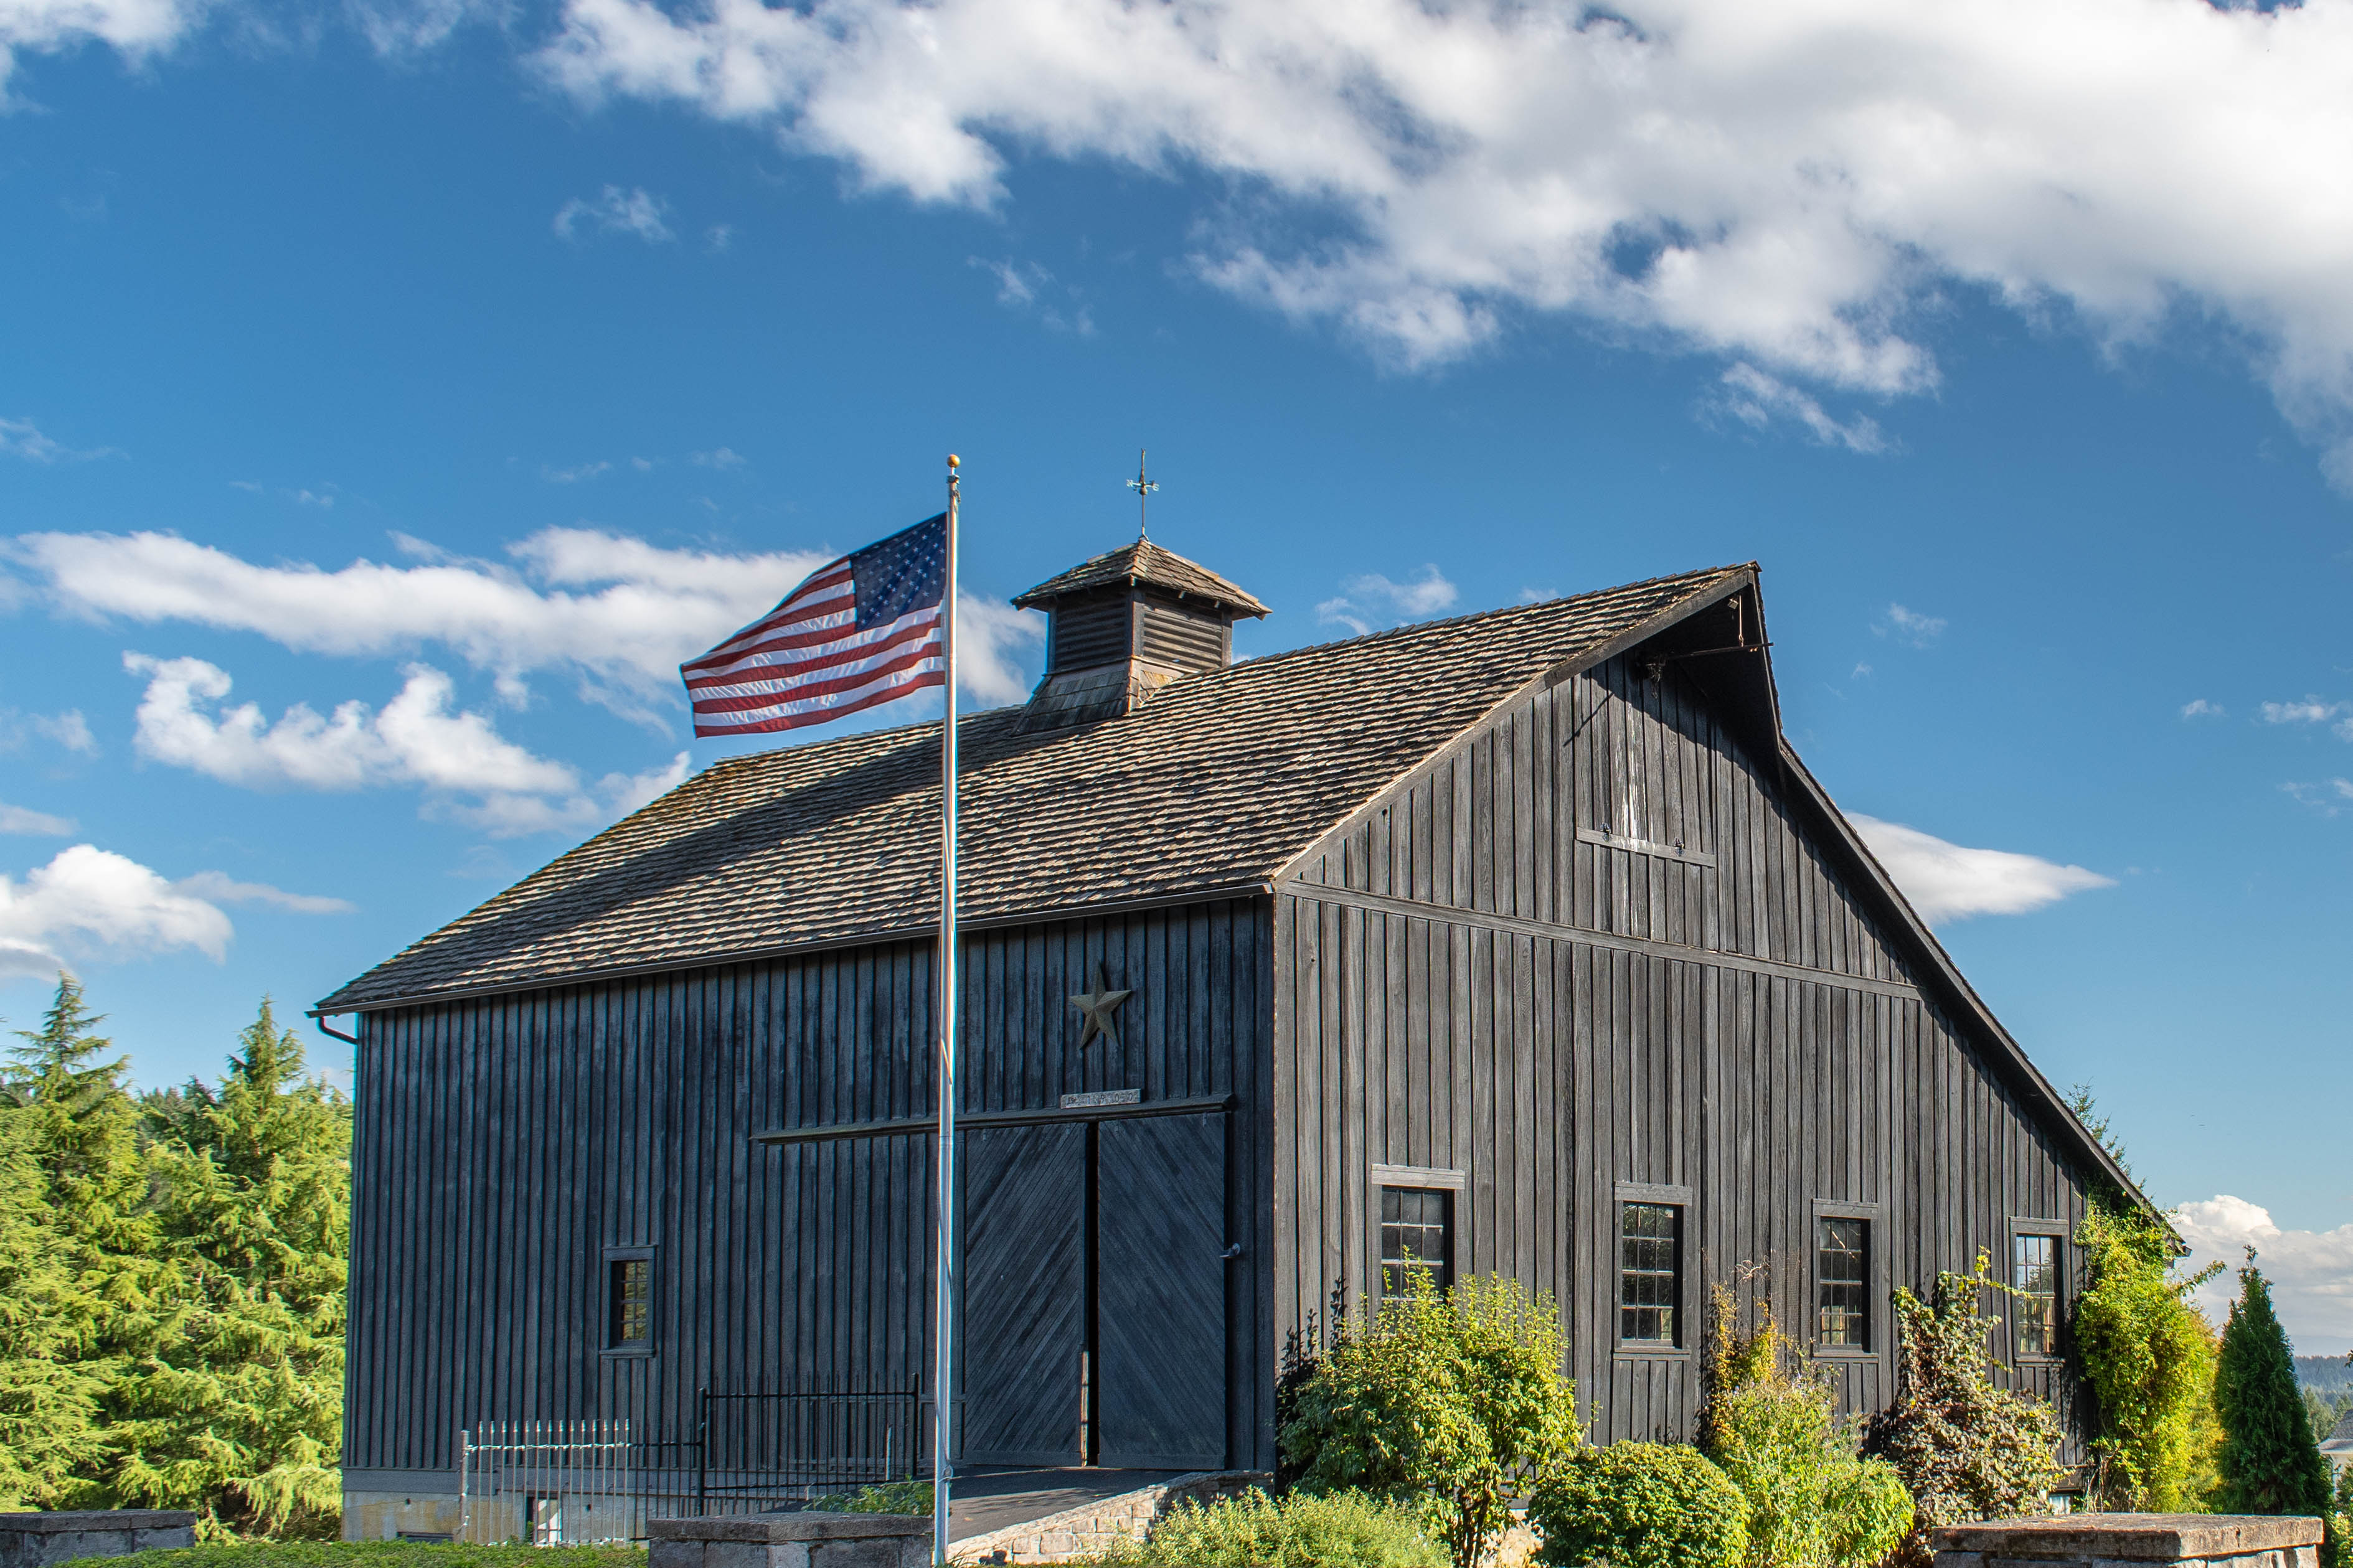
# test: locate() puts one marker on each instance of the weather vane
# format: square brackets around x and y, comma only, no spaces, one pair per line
[1143,487]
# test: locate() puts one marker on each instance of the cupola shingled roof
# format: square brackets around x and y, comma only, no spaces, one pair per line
[1213,787]
[1143,562]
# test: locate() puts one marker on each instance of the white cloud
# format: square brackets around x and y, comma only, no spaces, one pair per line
[219,887]
[2312,710]
[68,729]
[38,824]
[139,29]
[2199,708]
[1910,625]
[2330,797]
[1794,187]
[993,640]
[89,899]
[21,438]
[1947,883]
[2311,1272]
[468,771]
[1760,401]
[617,211]
[617,613]
[1370,602]
[1020,284]
[724,458]
[573,476]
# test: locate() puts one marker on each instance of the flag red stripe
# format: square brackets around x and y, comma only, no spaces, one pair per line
[803,690]
[834,647]
[898,688]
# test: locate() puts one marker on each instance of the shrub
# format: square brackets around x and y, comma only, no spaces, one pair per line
[1638,1505]
[1453,1397]
[2147,1356]
[1772,1427]
[883,1497]
[1304,1530]
[1965,1447]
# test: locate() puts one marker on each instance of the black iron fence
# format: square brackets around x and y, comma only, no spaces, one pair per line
[550,1483]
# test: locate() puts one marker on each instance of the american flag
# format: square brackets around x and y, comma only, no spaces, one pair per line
[860,631]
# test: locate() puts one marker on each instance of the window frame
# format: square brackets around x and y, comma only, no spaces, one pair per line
[1678,1198]
[1453,1180]
[608,1259]
[2063,1286]
[1876,1286]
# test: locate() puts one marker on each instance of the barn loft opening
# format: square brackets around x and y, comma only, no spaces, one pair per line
[1125,624]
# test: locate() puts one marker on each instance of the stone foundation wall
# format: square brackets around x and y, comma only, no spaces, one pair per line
[2132,1540]
[793,1541]
[37,1540]
[1095,1527]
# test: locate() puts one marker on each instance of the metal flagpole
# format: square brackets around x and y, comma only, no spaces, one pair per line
[944,1270]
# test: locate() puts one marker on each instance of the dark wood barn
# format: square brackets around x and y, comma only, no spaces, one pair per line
[1522,940]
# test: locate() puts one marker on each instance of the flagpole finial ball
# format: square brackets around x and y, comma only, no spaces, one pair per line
[954,461]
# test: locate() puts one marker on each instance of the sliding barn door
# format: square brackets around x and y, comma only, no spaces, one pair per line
[1024,1293]
[1160,1188]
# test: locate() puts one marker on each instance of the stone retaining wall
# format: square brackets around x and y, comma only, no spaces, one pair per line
[1095,1527]
[36,1540]
[2133,1541]
[792,1540]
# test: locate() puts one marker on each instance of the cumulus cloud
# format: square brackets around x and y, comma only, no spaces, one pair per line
[469,773]
[617,211]
[37,823]
[1947,882]
[573,476]
[723,458]
[88,901]
[2339,716]
[1794,188]
[2199,708]
[1025,285]
[1367,603]
[1760,402]
[2311,1272]
[68,730]
[616,613]
[139,29]
[2330,797]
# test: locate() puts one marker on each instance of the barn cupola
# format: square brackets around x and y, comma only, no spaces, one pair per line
[1125,624]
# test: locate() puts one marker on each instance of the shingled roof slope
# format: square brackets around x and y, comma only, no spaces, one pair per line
[1217,783]
[1143,562]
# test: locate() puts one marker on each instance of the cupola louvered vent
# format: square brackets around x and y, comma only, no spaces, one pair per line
[1125,624]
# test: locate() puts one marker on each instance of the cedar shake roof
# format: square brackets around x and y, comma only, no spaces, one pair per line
[1213,785]
[1143,562]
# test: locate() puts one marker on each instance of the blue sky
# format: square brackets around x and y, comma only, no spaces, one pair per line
[592,327]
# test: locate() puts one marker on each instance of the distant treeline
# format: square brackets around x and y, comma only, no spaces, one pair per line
[2327,1374]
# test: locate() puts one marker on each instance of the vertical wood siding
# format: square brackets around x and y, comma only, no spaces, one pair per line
[1549,1068]
[502,1144]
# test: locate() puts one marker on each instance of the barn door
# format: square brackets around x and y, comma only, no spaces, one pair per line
[1024,1295]
[1160,1324]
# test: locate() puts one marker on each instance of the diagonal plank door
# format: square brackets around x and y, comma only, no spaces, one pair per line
[1160,1187]
[1024,1296]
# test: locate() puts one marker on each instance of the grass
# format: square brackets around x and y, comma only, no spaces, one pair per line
[374,1554]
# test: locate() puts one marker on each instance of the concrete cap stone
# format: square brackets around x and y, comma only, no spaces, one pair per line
[2133,1537]
[60,1522]
[784,1527]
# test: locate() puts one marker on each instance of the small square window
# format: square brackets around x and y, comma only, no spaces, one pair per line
[1649,1272]
[2034,1310]
[1417,1232]
[630,1303]
[1842,1284]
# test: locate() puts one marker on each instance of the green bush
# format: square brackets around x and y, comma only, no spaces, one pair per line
[374,1554]
[2148,1356]
[1302,1529]
[1638,1505]
[884,1496]
[1449,1400]
[1772,1427]
[1965,1448]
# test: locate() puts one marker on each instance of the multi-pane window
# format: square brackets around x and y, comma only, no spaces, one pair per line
[1649,1271]
[2035,1275]
[1842,1283]
[1414,1235]
[629,1304]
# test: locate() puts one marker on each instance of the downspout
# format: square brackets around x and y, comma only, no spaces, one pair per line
[329,1029]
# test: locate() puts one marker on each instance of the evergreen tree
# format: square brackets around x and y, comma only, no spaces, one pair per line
[49,1401]
[2269,1462]
[240,1416]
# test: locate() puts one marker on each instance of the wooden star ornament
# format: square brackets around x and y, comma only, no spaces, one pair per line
[1097,1007]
